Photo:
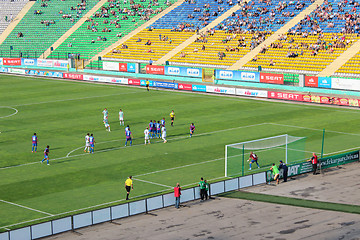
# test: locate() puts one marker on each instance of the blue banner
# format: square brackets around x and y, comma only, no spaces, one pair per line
[199,88]
[3,69]
[165,84]
[237,75]
[28,62]
[324,82]
[44,73]
[183,71]
[131,67]
[143,83]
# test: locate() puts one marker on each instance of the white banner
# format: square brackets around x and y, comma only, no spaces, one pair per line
[223,90]
[17,71]
[106,79]
[44,63]
[60,63]
[1,61]
[347,84]
[251,93]
[111,66]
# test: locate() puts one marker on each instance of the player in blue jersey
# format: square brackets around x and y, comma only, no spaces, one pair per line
[163,121]
[127,128]
[92,143]
[158,129]
[128,137]
[192,129]
[154,129]
[151,125]
[46,155]
[34,143]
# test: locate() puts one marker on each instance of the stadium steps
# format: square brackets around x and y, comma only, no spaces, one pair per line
[73,29]
[248,57]
[341,60]
[190,40]
[16,20]
[136,31]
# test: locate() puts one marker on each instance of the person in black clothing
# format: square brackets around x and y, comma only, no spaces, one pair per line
[285,170]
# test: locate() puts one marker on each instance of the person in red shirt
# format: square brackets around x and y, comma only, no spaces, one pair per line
[314,162]
[177,194]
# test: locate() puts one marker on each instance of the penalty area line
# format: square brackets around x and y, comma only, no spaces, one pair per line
[162,185]
[22,206]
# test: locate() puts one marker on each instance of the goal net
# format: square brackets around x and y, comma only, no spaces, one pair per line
[289,149]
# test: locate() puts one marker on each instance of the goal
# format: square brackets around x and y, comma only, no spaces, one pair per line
[269,150]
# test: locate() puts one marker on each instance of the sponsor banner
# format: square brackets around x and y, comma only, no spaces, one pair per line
[286,96]
[324,82]
[251,93]
[12,61]
[44,63]
[74,76]
[131,67]
[60,63]
[186,87]
[123,67]
[344,101]
[272,78]
[354,102]
[16,70]
[183,71]
[347,84]
[311,81]
[1,61]
[237,75]
[114,66]
[165,84]
[4,69]
[143,83]
[133,81]
[223,90]
[199,88]
[28,62]
[152,69]
[293,170]
[120,80]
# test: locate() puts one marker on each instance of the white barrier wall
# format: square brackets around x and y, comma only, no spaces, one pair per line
[4,236]
[41,230]
[62,225]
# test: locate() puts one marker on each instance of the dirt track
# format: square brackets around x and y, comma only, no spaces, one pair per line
[224,218]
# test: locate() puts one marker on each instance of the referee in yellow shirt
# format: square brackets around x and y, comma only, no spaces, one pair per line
[172,117]
[128,186]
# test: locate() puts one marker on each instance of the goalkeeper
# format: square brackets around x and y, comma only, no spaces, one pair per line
[254,158]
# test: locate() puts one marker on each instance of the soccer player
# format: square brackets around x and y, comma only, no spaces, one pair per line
[154,129]
[92,143]
[128,137]
[254,158]
[163,136]
[192,129]
[46,155]
[105,113]
[275,172]
[146,133]
[87,143]
[147,85]
[172,117]
[34,143]
[158,129]
[127,128]
[107,125]
[128,186]
[163,121]
[121,117]
[151,126]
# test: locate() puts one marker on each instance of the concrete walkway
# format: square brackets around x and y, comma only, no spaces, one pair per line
[241,62]
[16,21]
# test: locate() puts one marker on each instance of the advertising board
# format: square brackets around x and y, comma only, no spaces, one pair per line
[237,75]
[73,76]
[44,63]
[123,67]
[199,88]
[324,82]
[183,71]
[223,90]
[186,87]
[272,78]
[251,93]
[60,63]
[28,62]
[16,71]
[4,69]
[346,84]
[285,96]
[1,61]
[12,61]
[152,69]
[112,66]
[131,67]
[134,81]
[143,83]
[311,81]
[165,84]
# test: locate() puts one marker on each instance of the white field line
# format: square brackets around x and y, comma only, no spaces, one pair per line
[73,99]
[16,111]
[141,180]
[32,209]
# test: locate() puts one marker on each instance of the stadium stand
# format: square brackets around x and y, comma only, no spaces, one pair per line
[44,23]
[350,67]
[9,11]
[240,33]
[169,31]
[314,42]
[111,22]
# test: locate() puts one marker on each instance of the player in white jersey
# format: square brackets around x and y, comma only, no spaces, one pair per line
[163,135]
[147,135]
[121,117]
[87,143]
[107,125]
[105,113]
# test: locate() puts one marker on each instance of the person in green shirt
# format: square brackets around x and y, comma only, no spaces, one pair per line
[202,188]
[206,189]
[275,172]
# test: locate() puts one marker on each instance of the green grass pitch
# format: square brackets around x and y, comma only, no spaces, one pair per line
[62,112]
